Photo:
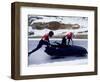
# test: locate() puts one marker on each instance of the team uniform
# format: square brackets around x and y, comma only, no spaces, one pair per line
[44,41]
[65,39]
[69,37]
[45,38]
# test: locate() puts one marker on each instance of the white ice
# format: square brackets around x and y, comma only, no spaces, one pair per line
[40,57]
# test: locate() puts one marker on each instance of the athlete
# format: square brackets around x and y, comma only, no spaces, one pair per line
[66,40]
[69,36]
[44,41]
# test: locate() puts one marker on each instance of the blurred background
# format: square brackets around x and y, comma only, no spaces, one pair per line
[39,25]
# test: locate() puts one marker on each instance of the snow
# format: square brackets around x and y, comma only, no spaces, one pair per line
[65,20]
[82,21]
[56,32]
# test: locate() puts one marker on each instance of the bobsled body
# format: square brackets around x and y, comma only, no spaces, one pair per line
[69,50]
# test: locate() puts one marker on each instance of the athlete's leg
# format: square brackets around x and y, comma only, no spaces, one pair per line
[68,41]
[38,47]
[72,41]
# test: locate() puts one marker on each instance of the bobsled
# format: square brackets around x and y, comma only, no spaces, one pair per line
[69,50]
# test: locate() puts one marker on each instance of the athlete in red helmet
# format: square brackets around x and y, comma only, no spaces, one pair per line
[44,41]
